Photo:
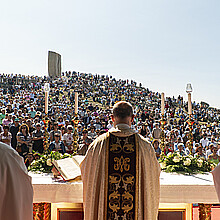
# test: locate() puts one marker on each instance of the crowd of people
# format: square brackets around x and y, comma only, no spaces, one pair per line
[22,116]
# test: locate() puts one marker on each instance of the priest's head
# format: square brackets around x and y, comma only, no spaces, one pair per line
[122,113]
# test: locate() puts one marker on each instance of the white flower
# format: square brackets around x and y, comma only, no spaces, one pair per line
[176,159]
[187,162]
[49,162]
[169,154]
[33,162]
[163,165]
[199,162]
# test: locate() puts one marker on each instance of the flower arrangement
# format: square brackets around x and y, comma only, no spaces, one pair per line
[174,162]
[44,163]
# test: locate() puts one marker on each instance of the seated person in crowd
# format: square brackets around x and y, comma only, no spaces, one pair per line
[23,140]
[179,141]
[68,138]
[57,144]
[157,149]
[55,131]
[167,148]
[199,151]
[214,156]
[29,159]
[92,134]
[84,142]
[209,150]
[181,150]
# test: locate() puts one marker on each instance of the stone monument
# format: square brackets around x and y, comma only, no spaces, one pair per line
[54,64]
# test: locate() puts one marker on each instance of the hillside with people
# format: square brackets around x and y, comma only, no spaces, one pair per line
[22,115]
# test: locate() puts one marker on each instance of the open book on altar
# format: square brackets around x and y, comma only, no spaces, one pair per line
[69,167]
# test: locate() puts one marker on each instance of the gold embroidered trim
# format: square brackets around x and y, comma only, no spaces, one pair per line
[119,186]
[106,176]
[137,177]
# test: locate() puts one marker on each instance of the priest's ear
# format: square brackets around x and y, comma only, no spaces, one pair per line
[125,120]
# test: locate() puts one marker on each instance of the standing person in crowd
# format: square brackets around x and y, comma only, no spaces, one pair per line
[37,138]
[145,131]
[14,128]
[156,131]
[6,136]
[101,169]
[23,140]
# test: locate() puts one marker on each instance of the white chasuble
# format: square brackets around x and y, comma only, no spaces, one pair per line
[16,192]
[216,178]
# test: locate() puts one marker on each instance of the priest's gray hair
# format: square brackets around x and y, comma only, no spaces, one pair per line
[122,110]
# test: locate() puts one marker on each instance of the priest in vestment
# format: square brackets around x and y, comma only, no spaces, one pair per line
[120,173]
[216,178]
[16,192]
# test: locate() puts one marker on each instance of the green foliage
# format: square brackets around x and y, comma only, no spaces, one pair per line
[174,162]
[44,163]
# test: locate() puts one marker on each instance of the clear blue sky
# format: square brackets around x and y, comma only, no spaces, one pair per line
[162,43]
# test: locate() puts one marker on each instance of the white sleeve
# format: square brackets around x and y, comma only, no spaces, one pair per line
[16,189]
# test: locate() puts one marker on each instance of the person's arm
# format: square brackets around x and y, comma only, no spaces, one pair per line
[7,140]
[19,140]
[34,138]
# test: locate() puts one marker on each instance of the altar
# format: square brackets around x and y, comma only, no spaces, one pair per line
[178,192]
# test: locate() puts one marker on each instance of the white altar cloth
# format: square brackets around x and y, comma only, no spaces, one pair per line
[175,188]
